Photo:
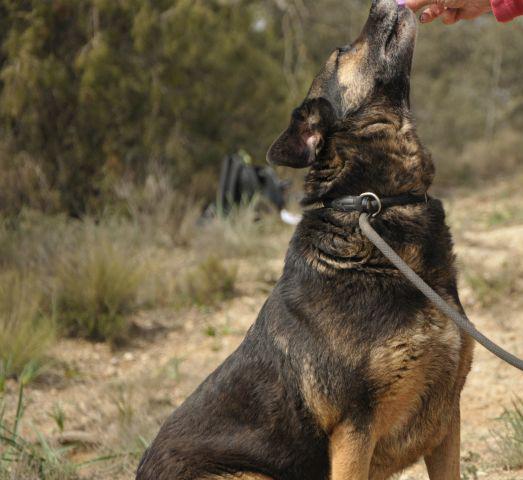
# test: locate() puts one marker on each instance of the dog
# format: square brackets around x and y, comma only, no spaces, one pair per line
[349,372]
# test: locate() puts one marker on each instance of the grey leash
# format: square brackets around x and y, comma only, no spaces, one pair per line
[460,320]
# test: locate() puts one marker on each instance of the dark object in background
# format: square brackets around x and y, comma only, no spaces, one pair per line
[240,182]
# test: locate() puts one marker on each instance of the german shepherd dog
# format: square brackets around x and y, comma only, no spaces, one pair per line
[348,373]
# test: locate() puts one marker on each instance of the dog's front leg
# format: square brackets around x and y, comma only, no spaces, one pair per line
[443,461]
[350,453]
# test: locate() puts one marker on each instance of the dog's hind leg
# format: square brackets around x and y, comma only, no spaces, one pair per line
[443,462]
[350,453]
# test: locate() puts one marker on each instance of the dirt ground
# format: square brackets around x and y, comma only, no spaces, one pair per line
[113,401]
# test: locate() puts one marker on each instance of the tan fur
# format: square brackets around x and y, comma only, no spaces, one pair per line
[326,414]
[436,344]
[411,254]
[350,454]
[352,77]
[443,462]
[401,367]
[400,382]
[239,476]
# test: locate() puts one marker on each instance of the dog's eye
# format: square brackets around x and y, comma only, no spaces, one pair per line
[342,50]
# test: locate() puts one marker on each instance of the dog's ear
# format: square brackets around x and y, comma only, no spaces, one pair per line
[304,138]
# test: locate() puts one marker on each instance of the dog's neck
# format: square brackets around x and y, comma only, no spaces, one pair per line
[375,151]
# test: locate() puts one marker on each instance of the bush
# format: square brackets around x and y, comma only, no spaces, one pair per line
[509,437]
[26,334]
[242,233]
[23,183]
[158,208]
[93,88]
[210,283]
[96,287]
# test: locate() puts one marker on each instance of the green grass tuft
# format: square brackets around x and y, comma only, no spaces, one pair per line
[22,458]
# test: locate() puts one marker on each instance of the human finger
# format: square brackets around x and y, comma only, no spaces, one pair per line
[431,13]
[450,16]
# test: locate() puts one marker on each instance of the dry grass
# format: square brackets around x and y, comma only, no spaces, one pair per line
[27,333]
[166,214]
[491,286]
[96,286]
[242,233]
[509,436]
[484,159]
[210,283]
[151,250]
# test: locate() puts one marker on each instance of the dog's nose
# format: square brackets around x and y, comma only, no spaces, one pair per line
[384,8]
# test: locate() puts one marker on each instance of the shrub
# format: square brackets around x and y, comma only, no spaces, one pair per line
[23,183]
[158,208]
[240,233]
[509,437]
[26,332]
[96,287]
[210,283]
[90,100]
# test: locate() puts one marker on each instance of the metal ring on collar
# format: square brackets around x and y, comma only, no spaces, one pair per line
[375,197]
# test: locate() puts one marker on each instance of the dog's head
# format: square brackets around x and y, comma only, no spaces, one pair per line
[365,83]
[374,68]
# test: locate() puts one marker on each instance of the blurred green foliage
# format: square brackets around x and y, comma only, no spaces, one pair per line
[96,90]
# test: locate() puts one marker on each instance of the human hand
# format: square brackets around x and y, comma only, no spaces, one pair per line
[450,11]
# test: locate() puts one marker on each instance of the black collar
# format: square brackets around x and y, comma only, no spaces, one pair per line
[370,203]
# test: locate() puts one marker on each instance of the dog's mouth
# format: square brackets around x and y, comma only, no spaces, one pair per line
[390,28]
[402,31]
[393,35]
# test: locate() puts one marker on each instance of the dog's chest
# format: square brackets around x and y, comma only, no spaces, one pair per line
[382,384]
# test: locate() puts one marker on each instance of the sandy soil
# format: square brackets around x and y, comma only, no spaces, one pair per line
[111,397]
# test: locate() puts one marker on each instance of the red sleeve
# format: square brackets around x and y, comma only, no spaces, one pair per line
[506,10]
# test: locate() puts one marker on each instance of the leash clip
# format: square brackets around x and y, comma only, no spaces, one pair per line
[374,197]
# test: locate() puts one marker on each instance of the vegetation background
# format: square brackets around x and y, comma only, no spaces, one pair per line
[114,118]
[97,91]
